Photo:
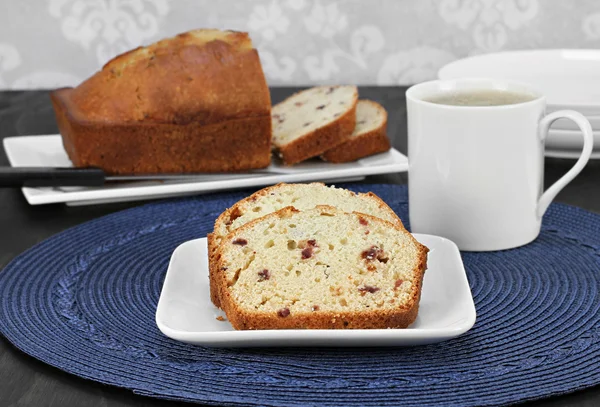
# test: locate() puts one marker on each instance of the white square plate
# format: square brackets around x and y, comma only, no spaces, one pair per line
[185,312]
[48,151]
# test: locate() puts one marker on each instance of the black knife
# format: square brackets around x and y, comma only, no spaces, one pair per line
[81,177]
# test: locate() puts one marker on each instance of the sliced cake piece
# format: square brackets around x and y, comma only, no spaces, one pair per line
[313,121]
[300,196]
[319,269]
[369,136]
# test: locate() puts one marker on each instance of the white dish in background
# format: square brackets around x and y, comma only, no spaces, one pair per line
[570,79]
[564,124]
[568,140]
[47,151]
[185,312]
[569,154]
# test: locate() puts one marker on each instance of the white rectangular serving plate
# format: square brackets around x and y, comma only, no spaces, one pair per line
[185,312]
[48,151]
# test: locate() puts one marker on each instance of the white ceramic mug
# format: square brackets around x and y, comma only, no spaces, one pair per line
[476,174]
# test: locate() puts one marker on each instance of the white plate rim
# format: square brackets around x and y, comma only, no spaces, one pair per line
[251,338]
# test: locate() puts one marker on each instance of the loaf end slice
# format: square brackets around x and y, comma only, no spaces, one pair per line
[369,136]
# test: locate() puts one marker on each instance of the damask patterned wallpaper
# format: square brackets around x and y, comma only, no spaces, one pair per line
[50,43]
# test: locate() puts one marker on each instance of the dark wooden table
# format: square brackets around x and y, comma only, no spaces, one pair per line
[26,382]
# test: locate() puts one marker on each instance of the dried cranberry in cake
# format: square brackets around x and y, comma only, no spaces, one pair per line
[307,243]
[284,312]
[363,221]
[398,283]
[264,275]
[368,289]
[372,253]
[307,253]
[240,242]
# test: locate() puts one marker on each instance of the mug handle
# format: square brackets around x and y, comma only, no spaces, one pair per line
[588,145]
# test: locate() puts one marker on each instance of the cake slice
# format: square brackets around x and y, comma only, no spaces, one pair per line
[320,269]
[369,136]
[300,196]
[313,121]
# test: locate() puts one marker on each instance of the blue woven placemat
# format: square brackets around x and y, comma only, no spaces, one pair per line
[84,301]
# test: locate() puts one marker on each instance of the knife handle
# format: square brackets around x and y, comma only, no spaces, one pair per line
[51,177]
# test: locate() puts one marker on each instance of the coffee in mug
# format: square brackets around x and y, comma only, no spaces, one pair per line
[480,97]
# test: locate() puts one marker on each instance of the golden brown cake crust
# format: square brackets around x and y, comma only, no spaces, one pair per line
[143,148]
[198,102]
[178,80]
[363,145]
[320,140]
[326,320]
[376,319]
[212,273]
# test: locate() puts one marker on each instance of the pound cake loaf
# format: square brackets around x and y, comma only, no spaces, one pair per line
[320,269]
[197,102]
[369,136]
[300,196]
[313,121]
